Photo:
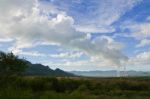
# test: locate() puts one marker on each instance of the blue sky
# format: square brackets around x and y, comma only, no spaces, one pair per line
[78,34]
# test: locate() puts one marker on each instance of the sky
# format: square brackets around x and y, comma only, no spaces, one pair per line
[81,35]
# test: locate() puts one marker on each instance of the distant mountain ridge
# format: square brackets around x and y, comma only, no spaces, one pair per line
[41,70]
[111,73]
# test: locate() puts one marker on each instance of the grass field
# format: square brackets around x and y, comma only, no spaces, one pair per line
[74,88]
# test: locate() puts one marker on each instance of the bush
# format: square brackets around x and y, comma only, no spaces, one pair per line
[11,65]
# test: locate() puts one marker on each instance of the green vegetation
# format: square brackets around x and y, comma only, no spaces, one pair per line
[74,88]
[11,65]
[14,86]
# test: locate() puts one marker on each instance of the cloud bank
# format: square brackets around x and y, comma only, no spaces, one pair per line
[71,24]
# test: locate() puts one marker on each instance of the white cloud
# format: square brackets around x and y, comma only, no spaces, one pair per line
[144,42]
[102,47]
[142,30]
[96,12]
[138,30]
[28,27]
[67,55]
[6,40]
[33,53]
[140,59]
[28,53]
[115,8]
[95,29]
[88,64]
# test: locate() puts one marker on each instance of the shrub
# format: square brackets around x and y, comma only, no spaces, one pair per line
[11,65]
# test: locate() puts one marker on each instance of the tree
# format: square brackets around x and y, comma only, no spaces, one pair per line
[11,65]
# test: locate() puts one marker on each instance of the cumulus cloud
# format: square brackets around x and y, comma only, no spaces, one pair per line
[103,47]
[140,59]
[28,27]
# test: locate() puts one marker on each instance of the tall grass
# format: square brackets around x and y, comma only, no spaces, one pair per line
[72,88]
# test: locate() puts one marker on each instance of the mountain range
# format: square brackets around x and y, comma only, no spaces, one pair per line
[111,73]
[41,70]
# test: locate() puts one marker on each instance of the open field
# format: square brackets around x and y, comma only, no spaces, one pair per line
[74,88]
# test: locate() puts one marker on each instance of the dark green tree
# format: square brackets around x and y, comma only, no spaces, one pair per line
[11,65]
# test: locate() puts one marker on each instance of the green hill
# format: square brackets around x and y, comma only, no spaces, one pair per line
[41,70]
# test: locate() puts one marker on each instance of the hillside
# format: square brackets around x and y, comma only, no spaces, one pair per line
[41,70]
